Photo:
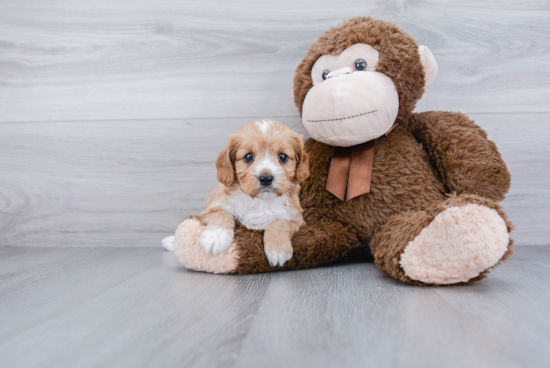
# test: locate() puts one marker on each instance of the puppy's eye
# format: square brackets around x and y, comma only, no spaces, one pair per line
[248,157]
[283,158]
[360,65]
[325,73]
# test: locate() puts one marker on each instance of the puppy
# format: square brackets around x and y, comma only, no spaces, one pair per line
[259,173]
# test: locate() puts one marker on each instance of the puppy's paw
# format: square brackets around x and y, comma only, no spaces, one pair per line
[168,243]
[278,250]
[216,240]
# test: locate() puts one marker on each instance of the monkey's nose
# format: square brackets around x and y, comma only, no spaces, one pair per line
[266,179]
[337,72]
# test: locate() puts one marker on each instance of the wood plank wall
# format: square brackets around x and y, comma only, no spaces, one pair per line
[112,112]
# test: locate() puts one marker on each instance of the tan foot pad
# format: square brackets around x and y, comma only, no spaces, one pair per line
[193,256]
[459,244]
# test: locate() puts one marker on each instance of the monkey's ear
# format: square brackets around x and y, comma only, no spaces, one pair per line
[226,171]
[429,63]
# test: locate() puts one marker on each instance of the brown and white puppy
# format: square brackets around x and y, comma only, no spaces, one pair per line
[259,173]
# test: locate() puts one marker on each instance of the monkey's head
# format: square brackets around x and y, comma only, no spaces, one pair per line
[359,79]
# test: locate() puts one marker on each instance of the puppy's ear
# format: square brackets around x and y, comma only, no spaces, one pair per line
[302,160]
[225,165]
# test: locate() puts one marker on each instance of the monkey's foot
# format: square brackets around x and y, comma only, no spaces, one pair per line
[458,245]
[192,255]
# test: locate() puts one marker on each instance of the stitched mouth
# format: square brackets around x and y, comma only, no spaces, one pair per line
[347,117]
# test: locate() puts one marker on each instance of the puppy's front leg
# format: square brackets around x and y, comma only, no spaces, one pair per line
[277,244]
[218,235]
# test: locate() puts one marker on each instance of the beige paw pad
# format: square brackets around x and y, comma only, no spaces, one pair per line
[192,255]
[459,244]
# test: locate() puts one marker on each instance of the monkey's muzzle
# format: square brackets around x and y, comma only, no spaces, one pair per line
[350,108]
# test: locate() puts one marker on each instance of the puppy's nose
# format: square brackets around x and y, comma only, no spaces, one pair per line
[266,179]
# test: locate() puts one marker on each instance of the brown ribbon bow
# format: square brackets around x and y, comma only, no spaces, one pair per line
[351,169]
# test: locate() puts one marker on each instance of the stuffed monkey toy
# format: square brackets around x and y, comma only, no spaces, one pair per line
[418,192]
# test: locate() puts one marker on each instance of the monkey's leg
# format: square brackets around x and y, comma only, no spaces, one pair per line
[188,249]
[318,243]
[455,241]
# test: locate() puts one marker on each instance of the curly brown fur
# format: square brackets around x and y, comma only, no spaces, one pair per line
[319,243]
[468,161]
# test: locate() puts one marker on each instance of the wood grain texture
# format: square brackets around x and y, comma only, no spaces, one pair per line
[139,308]
[112,113]
[129,184]
[79,61]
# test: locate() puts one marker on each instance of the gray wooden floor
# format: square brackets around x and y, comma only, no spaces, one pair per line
[113,307]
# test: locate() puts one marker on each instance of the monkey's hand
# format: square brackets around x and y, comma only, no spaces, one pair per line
[467,161]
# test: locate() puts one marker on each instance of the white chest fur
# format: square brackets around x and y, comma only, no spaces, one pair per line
[256,213]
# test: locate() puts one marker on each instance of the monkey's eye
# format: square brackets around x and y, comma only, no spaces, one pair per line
[360,64]
[283,158]
[248,158]
[325,73]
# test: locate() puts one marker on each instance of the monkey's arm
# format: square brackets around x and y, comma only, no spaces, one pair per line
[465,158]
